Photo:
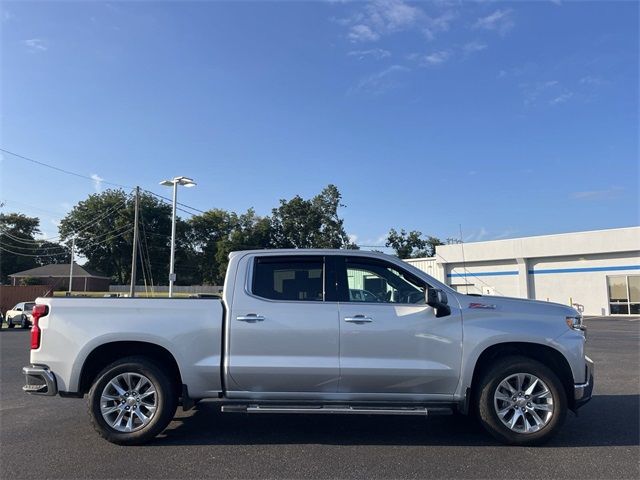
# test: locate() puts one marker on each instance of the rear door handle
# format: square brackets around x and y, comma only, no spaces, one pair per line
[358,319]
[250,318]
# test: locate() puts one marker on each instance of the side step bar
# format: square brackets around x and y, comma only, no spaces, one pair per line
[338,409]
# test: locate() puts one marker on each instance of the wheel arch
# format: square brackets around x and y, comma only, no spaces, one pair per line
[107,353]
[549,356]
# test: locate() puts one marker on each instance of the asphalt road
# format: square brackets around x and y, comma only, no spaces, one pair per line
[44,437]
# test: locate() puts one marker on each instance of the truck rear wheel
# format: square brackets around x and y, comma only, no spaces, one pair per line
[521,401]
[131,401]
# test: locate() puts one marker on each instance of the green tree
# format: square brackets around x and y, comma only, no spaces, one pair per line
[206,232]
[19,248]
[103,227]
[412,244]
[313,223]
[249,232]
[217,232]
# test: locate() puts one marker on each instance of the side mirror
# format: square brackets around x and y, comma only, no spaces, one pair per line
[437,299]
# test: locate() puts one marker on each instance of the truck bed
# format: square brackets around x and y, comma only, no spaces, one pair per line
[189,329]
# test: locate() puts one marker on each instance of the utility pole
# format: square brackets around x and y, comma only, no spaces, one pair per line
[132,288]
[73,247]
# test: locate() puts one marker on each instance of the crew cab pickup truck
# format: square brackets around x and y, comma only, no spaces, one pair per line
[289,336]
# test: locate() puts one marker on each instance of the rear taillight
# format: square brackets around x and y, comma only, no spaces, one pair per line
[37,312]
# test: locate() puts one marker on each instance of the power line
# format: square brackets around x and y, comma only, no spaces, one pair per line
[104,215]
[170,202]
[62,170]
[79,175]
[83,227]
[102,242]
[30,255]
[35,248]
[25,241]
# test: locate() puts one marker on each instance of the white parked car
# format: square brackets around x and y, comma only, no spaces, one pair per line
[20,314]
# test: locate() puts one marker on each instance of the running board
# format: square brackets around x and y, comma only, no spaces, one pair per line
[338,409]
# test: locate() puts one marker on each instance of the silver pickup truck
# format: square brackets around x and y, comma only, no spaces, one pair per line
[290,336]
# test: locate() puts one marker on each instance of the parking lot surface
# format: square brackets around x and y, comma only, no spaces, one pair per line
[50,437]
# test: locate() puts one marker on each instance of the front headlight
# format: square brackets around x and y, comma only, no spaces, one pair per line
[575,323]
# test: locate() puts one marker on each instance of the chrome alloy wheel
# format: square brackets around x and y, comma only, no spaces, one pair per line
[523,403]
[128,402]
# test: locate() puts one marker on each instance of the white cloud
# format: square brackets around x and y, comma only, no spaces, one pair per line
[436,58]
[551,92]
[97,182]
[562,98]
[500,21]
[505,234]
[439,24]
[353,238]
[380,82]
[590,80]
[36,45]
[375,53]
[362,33]
[381,17]
[477,235]
[606,194]
[392,15]
[473,47]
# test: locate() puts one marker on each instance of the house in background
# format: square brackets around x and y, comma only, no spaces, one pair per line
[57,276]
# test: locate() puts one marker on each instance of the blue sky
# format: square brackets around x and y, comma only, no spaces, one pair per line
[511,119]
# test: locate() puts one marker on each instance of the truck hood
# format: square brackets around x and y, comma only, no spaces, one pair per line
[515,305]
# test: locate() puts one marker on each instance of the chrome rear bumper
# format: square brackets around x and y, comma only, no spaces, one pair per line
[39,380]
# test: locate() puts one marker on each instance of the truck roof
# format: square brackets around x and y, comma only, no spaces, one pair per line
[311,251]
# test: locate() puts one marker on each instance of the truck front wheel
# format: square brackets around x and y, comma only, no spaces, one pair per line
[521,401]
[131,401]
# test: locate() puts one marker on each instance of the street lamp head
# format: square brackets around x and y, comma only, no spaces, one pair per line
[184,181]
[187,182]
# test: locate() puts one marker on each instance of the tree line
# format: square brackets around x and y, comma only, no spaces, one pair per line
[103,229]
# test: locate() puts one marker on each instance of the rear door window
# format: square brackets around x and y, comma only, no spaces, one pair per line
[289,278]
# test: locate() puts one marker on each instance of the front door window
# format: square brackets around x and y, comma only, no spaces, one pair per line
[378,282]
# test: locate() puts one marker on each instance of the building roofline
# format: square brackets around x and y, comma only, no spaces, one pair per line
[551,235]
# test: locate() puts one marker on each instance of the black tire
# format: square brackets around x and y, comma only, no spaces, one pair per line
[24,323]
[10,323]
[166,400]
[488,385]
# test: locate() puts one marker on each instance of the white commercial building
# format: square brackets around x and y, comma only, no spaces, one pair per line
[599,270]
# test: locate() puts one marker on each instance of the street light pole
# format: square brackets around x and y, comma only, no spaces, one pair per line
[186,182]
[172,273]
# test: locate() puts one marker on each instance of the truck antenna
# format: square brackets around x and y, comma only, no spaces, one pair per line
[464,263]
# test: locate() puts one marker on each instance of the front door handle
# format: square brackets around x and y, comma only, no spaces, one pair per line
[358,319]
[250,318]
